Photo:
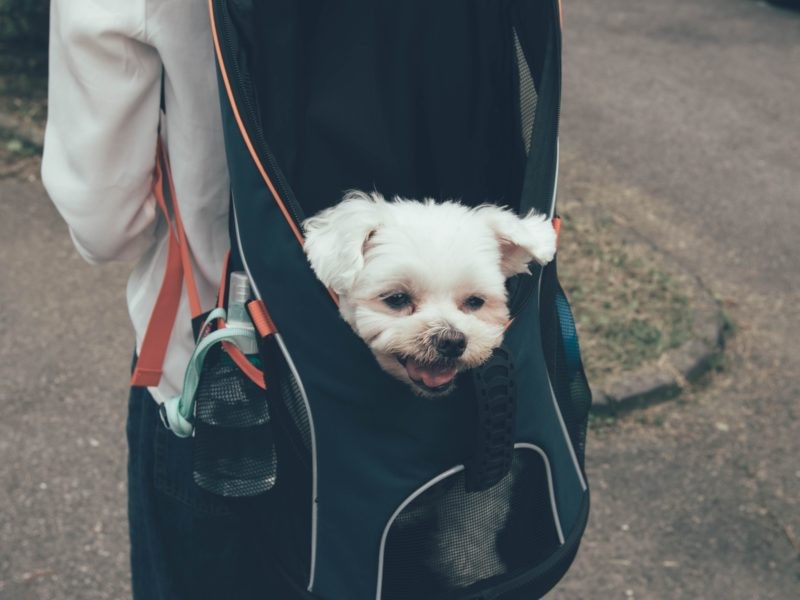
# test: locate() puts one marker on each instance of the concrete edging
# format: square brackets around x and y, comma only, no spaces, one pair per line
[668,376]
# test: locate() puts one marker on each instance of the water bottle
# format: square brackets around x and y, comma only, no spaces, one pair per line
[234,454]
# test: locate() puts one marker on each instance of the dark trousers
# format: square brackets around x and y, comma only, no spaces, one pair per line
[185,542]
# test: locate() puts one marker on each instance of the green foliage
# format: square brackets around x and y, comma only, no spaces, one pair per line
[24,24]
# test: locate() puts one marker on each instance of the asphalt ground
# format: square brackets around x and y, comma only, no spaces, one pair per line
[688,112]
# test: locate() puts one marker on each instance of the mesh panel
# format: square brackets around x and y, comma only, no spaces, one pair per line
[447,539]
[234,453]
[527,95]
[566,374]
[234,462]
[228,398]
[578,388]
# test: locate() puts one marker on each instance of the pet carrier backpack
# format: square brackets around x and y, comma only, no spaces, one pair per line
[377,493]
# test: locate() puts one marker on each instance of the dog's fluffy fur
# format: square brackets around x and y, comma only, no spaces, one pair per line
[423,283]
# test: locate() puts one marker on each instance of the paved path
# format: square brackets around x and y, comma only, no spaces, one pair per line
[687,113]
[682,117]
[66,341]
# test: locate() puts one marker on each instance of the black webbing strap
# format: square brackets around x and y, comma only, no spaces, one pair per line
[496,406]
[197,323]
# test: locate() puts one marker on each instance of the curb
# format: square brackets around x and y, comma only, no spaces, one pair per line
[668,376]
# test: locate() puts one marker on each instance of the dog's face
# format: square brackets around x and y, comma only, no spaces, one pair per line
[424,283]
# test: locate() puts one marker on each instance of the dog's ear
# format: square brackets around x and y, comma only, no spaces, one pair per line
[335,239]
[522,239]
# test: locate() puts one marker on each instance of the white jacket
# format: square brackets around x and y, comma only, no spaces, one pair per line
[106,61]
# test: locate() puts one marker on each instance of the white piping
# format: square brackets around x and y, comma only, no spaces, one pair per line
[555,182]
[406,502]
[550,383]
[558,410]
[567,438]
[550,487]
[449,473]
[301,387]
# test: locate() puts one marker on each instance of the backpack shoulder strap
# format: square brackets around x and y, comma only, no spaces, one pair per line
[178,271]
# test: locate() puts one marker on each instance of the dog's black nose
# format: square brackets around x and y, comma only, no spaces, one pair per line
[450,344]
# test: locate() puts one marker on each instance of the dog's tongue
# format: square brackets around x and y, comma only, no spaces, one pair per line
[431,376]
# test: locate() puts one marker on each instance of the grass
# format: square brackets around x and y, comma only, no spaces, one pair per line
[628,307]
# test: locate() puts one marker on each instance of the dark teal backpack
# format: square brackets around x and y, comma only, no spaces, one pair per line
[376,493]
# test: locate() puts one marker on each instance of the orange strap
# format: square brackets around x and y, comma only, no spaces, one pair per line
[183,244]
[149,365]
[261,319]
[245,366]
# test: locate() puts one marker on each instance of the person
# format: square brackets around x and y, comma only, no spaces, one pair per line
[107,58]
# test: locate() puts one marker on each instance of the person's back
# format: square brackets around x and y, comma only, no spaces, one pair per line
[104,97]
[106,63]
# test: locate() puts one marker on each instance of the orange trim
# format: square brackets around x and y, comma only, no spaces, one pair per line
[261,319]
[248,368]
[223,286]
[246,137]
[557,227]
[560,16]
[145,377]
[247,141]
[251,371]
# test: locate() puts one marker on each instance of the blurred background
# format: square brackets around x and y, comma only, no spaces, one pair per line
[680,189]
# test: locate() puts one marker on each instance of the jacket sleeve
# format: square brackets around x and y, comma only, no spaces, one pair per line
[100,140]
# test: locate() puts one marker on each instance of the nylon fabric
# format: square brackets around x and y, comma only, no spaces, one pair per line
[417,99]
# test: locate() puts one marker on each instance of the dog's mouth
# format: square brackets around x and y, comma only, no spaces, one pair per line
[431,377]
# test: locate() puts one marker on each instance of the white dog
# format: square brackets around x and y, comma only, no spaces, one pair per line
[423,283]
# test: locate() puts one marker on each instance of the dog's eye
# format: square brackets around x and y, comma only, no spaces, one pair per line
[474,302]
[397,301]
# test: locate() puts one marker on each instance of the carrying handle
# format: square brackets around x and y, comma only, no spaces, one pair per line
[495,415]
[177,413]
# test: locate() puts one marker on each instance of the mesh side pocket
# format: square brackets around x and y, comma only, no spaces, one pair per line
[234,453]
[564,364]
[446,539]
[226,397]
[527,94]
